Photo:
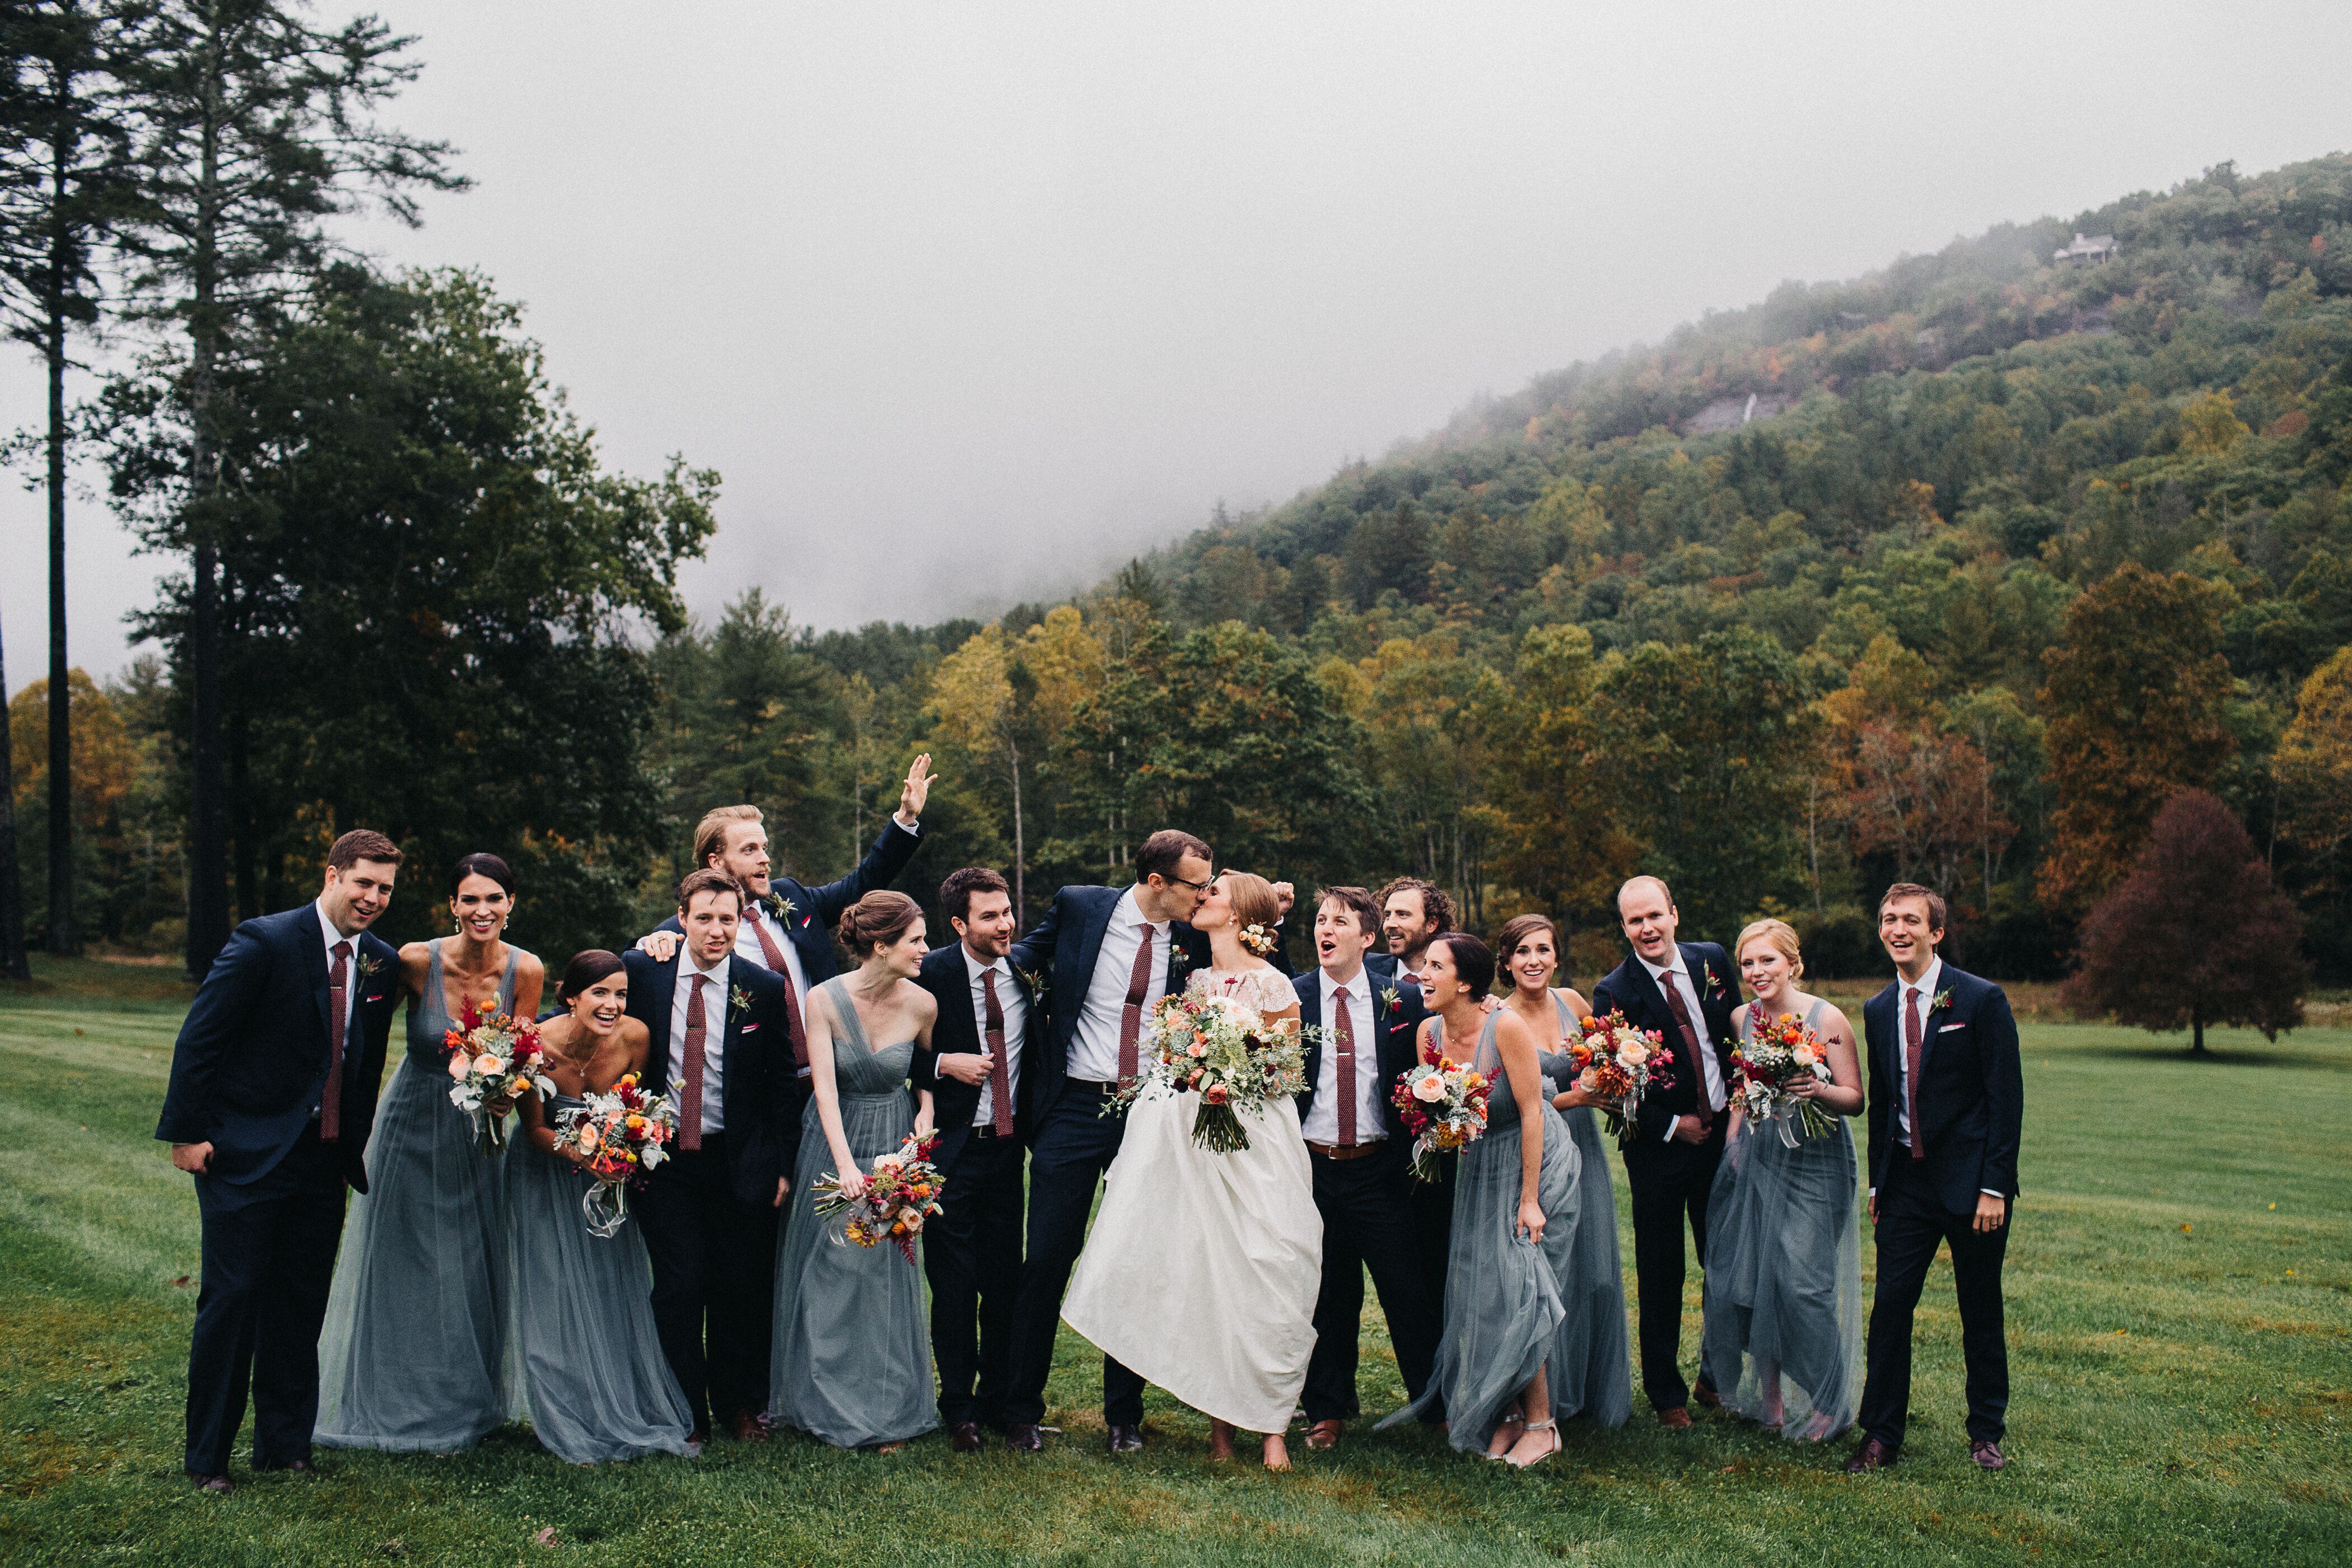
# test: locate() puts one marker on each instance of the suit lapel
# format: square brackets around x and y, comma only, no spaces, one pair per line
[1090,940]
[1933,1017]
[663,989]
[314,965]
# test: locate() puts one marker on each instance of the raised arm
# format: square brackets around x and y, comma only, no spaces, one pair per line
[893,847]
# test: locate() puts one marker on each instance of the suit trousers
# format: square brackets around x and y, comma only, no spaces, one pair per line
[269,1259]
[1074,1146]
[1668,1187]
[1431,1204]
[971,1253]
[714,1264]
[1912,1222]
[1366,1204]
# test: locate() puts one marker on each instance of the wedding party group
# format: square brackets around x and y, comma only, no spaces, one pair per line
[722,1184]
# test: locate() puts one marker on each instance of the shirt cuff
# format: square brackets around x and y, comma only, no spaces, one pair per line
[1993,1193]
[915,828]
[1671,1122]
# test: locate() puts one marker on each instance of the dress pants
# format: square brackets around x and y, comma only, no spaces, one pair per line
[1366,1204]
[714,1263]
[1074,1146]
[269,1259]
[1431,1204]
[1912,1220]
[971,1253]
[1668,1186]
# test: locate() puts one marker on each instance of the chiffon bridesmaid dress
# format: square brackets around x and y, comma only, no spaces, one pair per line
[415,1355]
[853,1343]
[594,1376]
[1595,1374]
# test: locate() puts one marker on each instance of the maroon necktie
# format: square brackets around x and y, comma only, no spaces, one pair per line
[793,1028]
[1343,1028]
[1913,1046]
[999,1076]
[1130,1018]
[689,1127]
[1690,1040]
[339,996]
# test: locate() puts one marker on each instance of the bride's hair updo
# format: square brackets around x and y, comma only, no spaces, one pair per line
[1253,902]
[877,920]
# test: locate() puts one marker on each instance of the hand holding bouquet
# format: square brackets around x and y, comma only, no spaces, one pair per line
[892,1204]
[493,1057]
[1617,1064]
[616,1137]
[1227,1053]
[1444,1107]
[1774,1058]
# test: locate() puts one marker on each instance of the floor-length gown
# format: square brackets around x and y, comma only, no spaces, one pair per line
[1202,1270]
[594,1376]
[1594,1364]
[1784,1272]
[1504,1294]
[853,1345]
[415,1355]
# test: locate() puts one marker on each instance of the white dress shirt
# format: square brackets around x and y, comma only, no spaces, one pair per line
[1094,1044]
[1015,1008]
[1926,992]
[1678,976]
[350,974]
[1322,1123]
[714,1037]
[748,948]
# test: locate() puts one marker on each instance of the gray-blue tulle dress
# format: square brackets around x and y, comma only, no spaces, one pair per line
[1594,1368]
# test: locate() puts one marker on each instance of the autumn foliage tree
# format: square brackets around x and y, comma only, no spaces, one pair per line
[2198,934]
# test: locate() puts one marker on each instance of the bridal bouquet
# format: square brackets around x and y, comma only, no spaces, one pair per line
[1224,1051]
[1777,1055]
[493,1057]
[1444,1107]
[902,1193]
[1617,1064]
[618,1136]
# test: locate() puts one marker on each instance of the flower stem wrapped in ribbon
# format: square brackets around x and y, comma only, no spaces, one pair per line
[617,1137]
[1617,1064]
[493,1057]
[901,1194]
[1775,1056]
[1444,1108]
[1225,1052]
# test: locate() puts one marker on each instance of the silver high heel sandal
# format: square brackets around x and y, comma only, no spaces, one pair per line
[1552,1427]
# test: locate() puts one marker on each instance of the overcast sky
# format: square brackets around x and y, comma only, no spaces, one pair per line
[967,302]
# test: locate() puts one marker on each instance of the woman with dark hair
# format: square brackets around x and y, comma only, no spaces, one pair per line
[852,1362]
[1593,1371]
[590,1361]
[1515,1223]
[414,1357]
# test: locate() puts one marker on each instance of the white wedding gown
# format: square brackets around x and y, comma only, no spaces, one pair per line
[1202,1270]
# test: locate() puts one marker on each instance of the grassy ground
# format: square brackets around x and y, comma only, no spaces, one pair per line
[2180,1291]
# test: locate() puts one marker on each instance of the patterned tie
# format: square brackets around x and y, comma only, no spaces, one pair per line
[1690,1036]
[774,954]
[1130,1018]
[689,1127]
[999,1076]
[1343,1027]
[1914,1046]
[330,1099]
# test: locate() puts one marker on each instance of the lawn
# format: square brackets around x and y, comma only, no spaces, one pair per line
[2180,1330]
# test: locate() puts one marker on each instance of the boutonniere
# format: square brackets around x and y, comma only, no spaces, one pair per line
[1941,1000]
[1032,984]
[1714,982]
[369,966]
[738,1003]
[781,909]
[1392,1001]
[1180,959]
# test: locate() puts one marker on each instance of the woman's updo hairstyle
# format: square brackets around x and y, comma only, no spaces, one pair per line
[1780,935]
[1253,905]
[585,970]
[1473,961]
[481,865]
[877,920]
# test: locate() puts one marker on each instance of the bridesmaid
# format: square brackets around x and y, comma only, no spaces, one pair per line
[1515,1223]
[592,1372]
[415,1357]
[1783,1325]
[853,1348]
[1595,1367]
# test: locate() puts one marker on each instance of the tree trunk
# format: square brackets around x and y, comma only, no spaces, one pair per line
[2197,1034]
[12,964]
[1019,847]
[207,837]
[62,941]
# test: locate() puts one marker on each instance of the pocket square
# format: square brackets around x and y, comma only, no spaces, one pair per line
[748,1029]
[1949,1027]
[377,998]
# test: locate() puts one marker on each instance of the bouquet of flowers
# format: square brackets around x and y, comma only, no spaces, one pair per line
[1775,1056]
[492,1056]
[1444,1107]
[1225,1052]
[618,1136]
[1617,1064]
[902,1193]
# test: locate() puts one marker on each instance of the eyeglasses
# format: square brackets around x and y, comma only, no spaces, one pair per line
[1188,882]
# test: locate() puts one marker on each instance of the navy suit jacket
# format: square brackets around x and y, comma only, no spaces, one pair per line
[756,1060]
[957,1033]
[1395,1025]
[1971,1094]
[1629,989]
[1061,950]
[809,925]
[251,1058]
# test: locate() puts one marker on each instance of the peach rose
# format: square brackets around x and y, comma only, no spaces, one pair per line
[460,1065]
[490,1066]
[1429,1087]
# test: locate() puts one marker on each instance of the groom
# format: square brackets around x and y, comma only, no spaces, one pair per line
[271,1099]
[1107,958]
[1684,992]
[1946,1106]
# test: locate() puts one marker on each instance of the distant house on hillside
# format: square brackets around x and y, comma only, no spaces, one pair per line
[2087,250]
[1731,413]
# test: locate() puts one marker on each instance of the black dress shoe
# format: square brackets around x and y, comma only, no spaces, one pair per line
[219,1485]
[965,1436]
[1022,1438]
[1124,1439]
[1875,1454]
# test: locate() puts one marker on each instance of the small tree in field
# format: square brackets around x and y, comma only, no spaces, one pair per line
[2197,934]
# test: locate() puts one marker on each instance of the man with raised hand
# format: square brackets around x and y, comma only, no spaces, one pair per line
[1414,913]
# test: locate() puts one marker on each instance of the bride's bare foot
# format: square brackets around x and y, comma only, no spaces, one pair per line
[1508,1433]
[1277,1452]
[1221,1440]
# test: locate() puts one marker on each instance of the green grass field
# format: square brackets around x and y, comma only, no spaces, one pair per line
[2180,1332]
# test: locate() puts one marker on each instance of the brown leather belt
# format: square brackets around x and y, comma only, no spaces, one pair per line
[1334,1151]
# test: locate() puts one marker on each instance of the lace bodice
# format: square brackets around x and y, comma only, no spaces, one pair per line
[1267,990]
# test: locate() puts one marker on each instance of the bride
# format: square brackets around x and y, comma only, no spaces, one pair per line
[1201,1272]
